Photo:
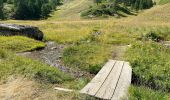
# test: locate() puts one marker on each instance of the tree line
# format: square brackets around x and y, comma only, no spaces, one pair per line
[27,9]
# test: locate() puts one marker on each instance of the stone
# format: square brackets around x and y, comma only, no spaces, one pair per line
[21,30]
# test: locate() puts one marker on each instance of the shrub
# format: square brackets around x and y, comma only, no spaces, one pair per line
[150,63]
[98,10]
[153,36]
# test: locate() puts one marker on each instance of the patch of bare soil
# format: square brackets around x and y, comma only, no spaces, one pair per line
[18,88]
[119,51]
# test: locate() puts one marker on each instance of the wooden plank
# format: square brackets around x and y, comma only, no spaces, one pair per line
[124,83]
[109,86]
[63,89]
[92,87]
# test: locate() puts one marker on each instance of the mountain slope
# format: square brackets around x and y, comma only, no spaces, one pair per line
[71,9]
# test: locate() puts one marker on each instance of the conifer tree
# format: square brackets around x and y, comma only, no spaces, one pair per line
[1,10]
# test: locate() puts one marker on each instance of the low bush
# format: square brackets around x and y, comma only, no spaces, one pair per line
[150,63]
[153,36]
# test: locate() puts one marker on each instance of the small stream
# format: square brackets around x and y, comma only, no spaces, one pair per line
[52,55]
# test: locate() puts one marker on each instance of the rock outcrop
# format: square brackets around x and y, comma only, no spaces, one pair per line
[21,30]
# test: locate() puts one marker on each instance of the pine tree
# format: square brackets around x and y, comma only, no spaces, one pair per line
[46,9]
[1,10]
[141,4]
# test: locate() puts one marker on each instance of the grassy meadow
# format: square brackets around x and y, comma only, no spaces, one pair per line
[89,44]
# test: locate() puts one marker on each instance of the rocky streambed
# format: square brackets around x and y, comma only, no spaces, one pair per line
[52,55]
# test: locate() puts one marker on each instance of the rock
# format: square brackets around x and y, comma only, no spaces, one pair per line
[21,30]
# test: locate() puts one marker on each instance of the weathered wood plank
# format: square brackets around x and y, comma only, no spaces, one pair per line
[123,83]
[107,89]
[63,89]
[92,87]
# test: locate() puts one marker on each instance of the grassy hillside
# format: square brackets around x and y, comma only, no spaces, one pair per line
[71,9]
[164,2]
[88,45]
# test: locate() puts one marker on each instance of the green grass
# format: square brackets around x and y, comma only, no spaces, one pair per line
[150,63]
[66,32]
[143,93]
[11,64]
[155,33]
[164,2]
[88,56]
[19,44]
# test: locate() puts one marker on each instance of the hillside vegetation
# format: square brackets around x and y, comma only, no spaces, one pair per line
[164,2]
[71,9]
[88,44]
[20,44]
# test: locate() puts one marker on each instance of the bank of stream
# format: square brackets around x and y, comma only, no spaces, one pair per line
[52,55]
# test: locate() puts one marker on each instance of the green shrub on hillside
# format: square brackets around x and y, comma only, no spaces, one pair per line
[14,65]
[150,63]
[153,36]
[104,10]
[116,8]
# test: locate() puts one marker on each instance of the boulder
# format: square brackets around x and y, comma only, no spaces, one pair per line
[21,30]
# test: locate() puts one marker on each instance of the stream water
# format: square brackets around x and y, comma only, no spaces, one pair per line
[52,55]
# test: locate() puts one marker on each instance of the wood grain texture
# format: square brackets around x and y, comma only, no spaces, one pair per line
[107,89]
[123,83]
[112,81]
[92,87]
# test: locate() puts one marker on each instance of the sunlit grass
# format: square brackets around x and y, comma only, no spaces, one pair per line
[19,44]
[150,64]
[143,93]
[164,2]
[66,32]
[89,56]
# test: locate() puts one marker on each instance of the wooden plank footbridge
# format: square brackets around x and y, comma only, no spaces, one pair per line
[111,82]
